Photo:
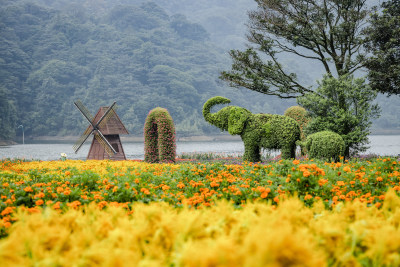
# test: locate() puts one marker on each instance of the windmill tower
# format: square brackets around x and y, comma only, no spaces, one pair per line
[106,127]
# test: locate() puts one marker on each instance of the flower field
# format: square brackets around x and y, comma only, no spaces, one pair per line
[309,213]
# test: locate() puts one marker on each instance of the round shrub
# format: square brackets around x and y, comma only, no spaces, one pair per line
[325,145]
[159,137]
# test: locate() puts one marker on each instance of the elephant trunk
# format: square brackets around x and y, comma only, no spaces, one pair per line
[210,117]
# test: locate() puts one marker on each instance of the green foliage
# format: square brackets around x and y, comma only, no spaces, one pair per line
[221,119]
[188,30]
[237,120]
[325,145]
[7,117]
[383,35]
[344,106]
[301,116]
[130,54]
[159,137]
[324,31]
[256,130]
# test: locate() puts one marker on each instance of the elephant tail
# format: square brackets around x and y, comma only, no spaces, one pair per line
[216,100]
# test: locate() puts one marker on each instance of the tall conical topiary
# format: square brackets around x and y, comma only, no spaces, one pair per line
[159,137]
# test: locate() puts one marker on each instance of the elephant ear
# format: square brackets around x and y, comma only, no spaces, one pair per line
[237,119]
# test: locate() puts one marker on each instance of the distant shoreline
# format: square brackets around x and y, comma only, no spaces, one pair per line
[7,143]
[135,138]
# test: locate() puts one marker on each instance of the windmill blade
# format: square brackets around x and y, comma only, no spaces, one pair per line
[82,139]
[110,114]
[85,112]
[105,115]
[106,145]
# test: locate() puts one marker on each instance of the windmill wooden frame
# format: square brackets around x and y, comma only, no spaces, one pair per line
[105,127]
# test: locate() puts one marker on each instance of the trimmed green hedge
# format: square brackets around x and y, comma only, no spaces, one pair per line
[325,145]
[159,137]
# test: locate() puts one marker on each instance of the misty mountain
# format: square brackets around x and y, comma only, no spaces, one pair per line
[137,55]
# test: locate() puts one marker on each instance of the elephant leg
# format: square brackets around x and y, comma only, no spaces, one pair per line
[251,152]
[288,152]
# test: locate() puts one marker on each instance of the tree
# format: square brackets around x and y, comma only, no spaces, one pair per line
[7,116]
[384,44]
[342,105]
[324,31]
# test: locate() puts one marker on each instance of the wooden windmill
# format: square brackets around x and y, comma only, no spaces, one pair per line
[106,127]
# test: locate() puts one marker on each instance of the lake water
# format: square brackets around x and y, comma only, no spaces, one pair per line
[382,145]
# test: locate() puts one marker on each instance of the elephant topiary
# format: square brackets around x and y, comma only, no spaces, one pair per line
[257,131]
[325,145]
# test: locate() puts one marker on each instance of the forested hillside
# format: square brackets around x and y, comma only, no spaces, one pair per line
[137,55]
[142,54]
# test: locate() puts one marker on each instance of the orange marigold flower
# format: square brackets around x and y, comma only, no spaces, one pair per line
[59,189]
[39,195]
[165,187]
[306,173]
[307,197]
[67,173]
[57,205]
[378,204]
[321,182]
[347,169]
[296,161]
[264,194]
[379,179]
[214,184]
[5,184]
[340,183]
[145,191]
[39,202]
[28,189]
[7,211]
[276,199]
[102,204]
[74,204]
[180,185]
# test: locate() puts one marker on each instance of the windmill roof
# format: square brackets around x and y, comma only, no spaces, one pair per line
[110,125]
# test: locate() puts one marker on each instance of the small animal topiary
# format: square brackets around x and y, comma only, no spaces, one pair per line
[159,137]
[325,145]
